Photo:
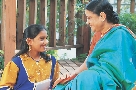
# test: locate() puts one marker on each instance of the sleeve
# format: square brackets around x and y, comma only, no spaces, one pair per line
[9,75]
[56,72]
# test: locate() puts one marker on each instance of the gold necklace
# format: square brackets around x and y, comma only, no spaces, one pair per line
[102,34]
[37,60]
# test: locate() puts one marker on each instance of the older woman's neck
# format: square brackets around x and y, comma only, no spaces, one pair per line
[106,28]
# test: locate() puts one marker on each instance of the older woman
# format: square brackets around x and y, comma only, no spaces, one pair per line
[110,65]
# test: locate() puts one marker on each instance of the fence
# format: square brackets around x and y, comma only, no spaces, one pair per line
[60,16]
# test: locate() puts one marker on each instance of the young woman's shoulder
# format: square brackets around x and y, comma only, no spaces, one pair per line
[17,60]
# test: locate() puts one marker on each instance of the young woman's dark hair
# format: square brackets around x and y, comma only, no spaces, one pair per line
[31,32]
[98,6]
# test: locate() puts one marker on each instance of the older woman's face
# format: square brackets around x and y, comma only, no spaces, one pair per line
[94,21]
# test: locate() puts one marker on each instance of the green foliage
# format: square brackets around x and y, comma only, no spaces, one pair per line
[1,59]
[1,52]
[81,57]
[53,52]
[128,20]
[63,57]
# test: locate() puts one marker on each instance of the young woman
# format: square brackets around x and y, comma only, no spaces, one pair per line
[31,65]
[110,64]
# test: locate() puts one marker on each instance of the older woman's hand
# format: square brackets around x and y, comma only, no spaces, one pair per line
[65,78]
[134,88]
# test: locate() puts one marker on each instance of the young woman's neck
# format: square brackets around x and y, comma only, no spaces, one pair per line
[34,55]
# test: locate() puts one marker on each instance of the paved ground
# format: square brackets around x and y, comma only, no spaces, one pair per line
[68,66]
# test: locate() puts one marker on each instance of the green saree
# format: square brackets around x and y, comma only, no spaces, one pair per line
[110,65]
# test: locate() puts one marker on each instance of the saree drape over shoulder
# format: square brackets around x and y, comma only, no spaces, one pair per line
[110,65]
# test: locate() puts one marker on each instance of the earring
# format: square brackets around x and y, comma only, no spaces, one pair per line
[29,48]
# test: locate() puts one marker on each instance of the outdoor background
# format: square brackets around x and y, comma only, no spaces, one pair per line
[125,9]
[125,17]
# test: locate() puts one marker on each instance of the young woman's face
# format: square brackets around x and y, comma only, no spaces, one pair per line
[94,21]
[40,41]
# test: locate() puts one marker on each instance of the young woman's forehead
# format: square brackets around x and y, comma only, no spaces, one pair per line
[42,33]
